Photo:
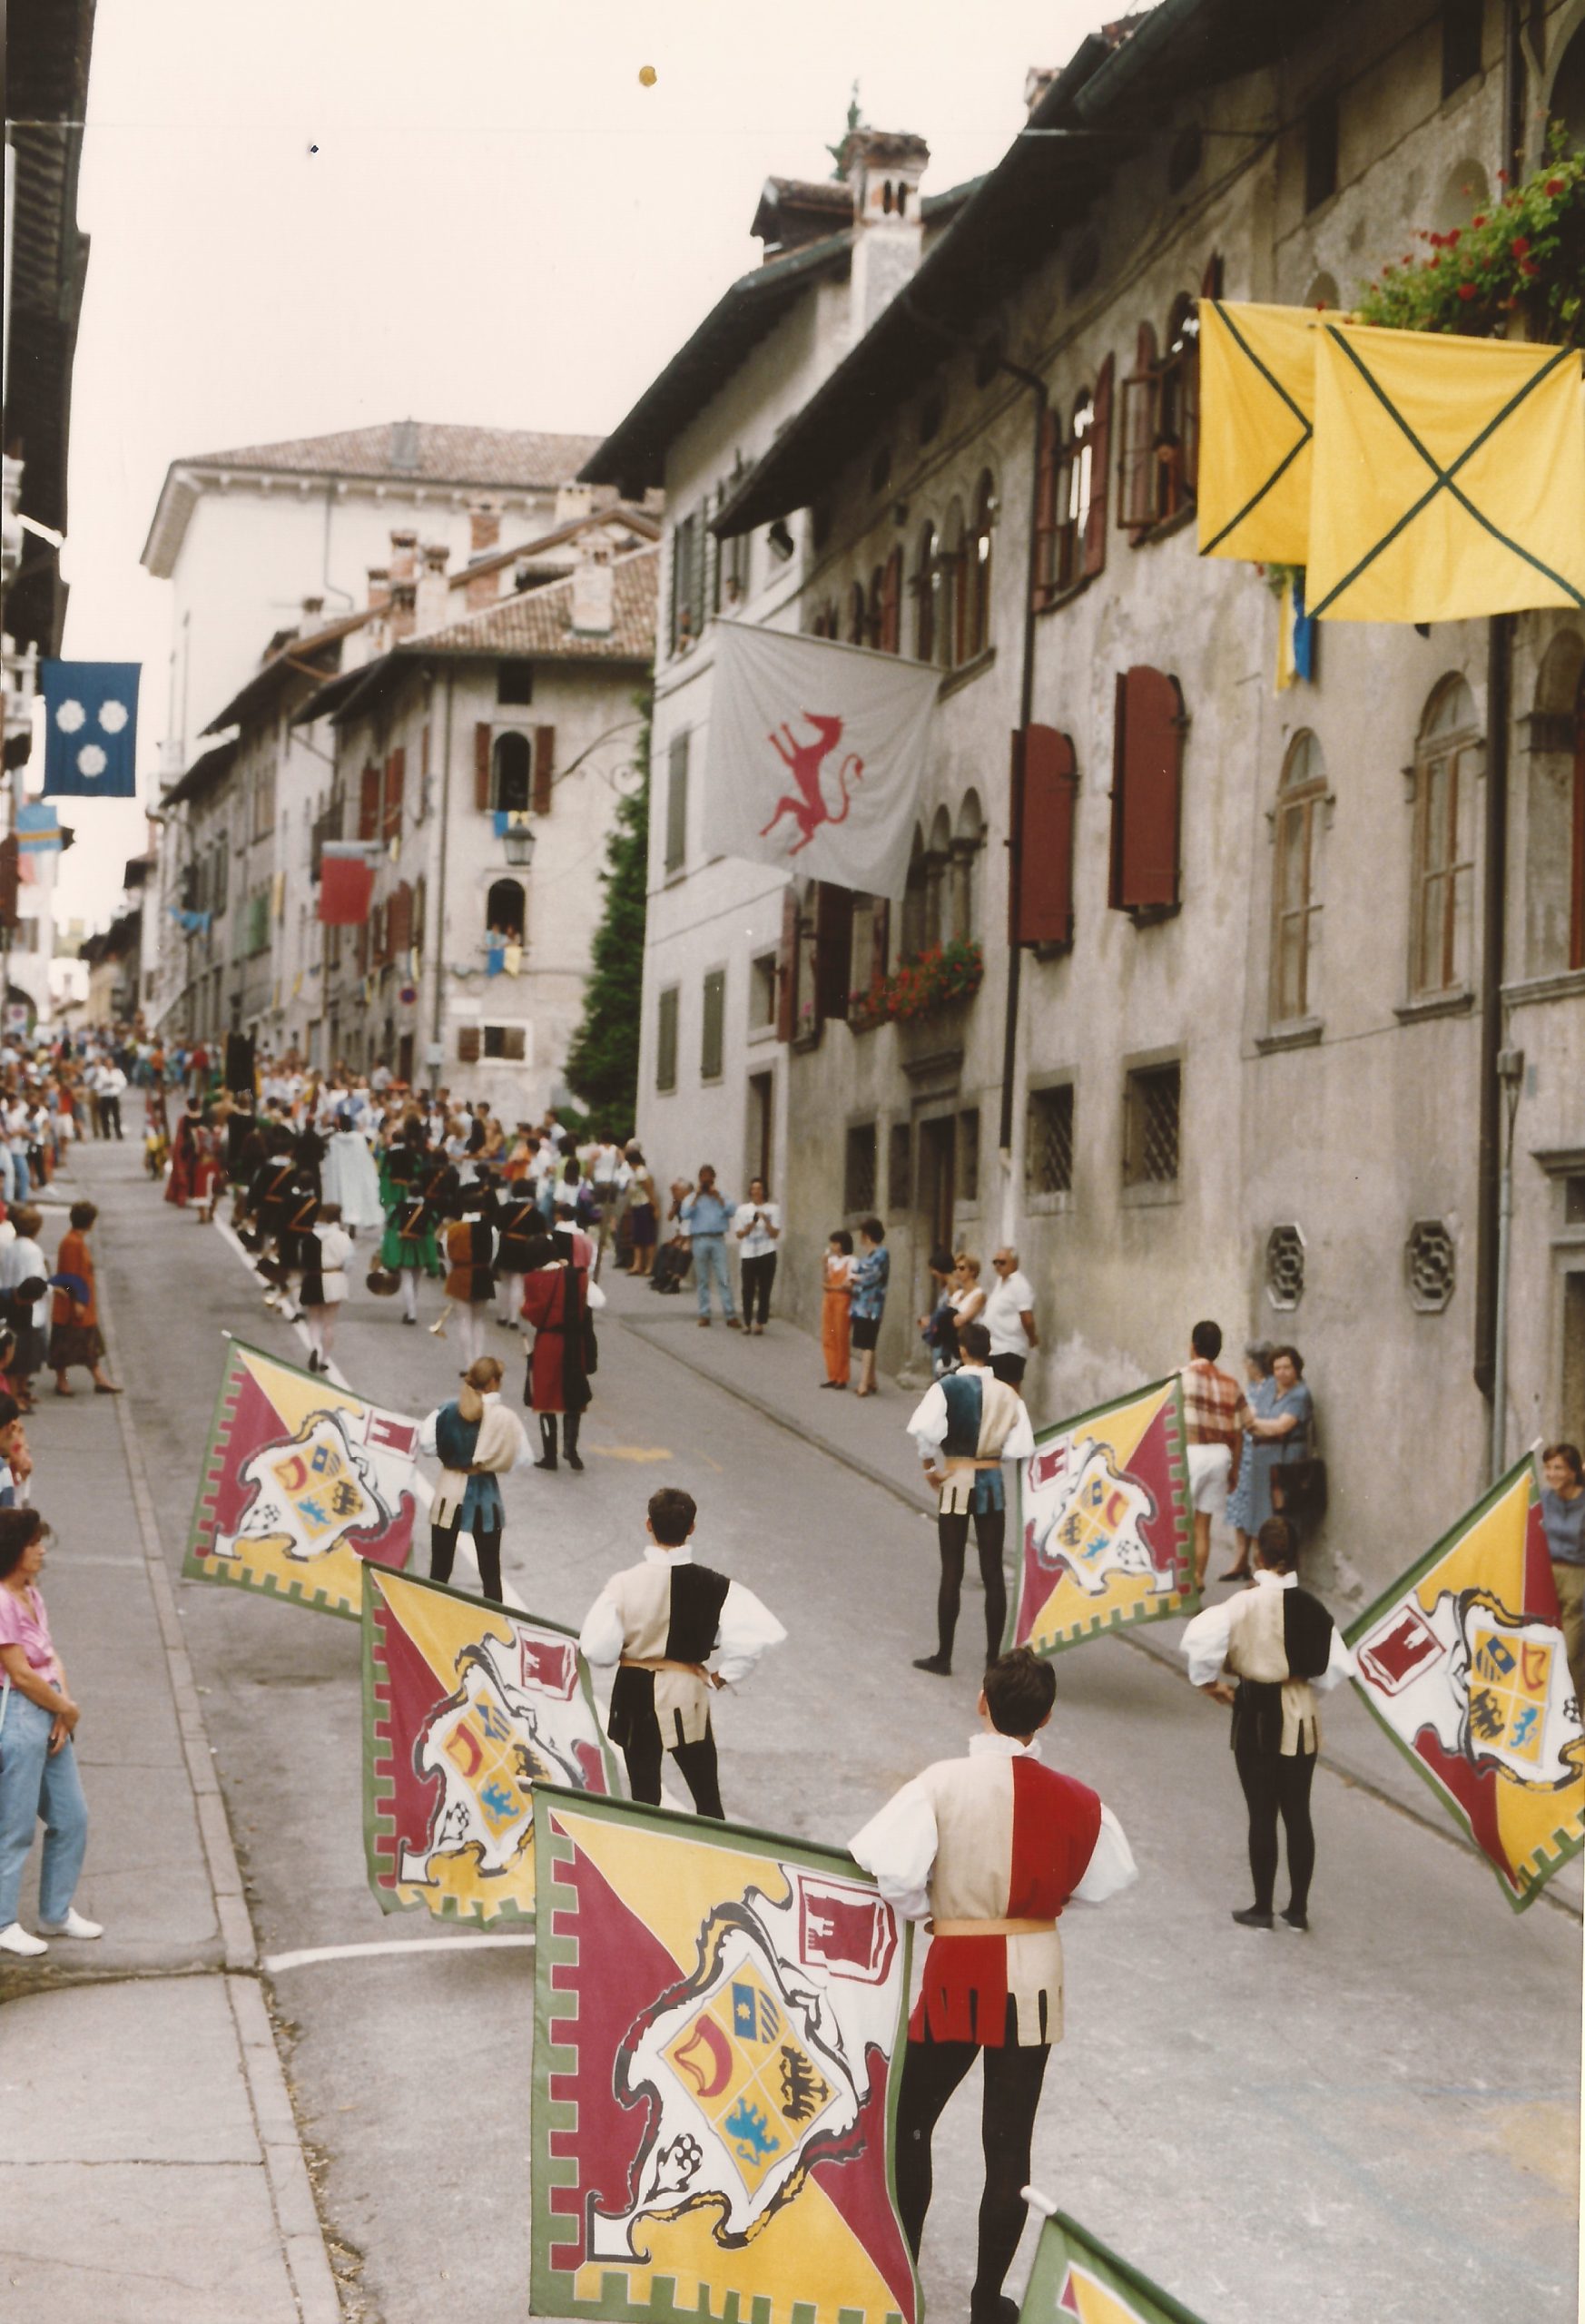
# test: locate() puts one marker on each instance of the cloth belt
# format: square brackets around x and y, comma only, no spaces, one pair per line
[963,1460]
[663,1662]
[990,1928]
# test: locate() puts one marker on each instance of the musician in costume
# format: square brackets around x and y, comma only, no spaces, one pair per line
[470,1245]
[661,1622]
[518,1226]
[477,1438]
[966,1423]
[413,1213]
[990,1848]
[327,1249]
[1281,1645]
[178,1186]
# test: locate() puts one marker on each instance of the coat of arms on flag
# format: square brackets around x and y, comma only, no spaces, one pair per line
[719,2023]
[1076,2280]
[301,1483]
[1462,1661]
[466,1705]
[1105,1532]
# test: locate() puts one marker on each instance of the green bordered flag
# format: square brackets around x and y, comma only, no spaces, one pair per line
[1076,2280]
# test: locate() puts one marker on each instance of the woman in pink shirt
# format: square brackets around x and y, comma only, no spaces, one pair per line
[38,1765]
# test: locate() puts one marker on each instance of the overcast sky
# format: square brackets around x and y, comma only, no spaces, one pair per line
[315,214]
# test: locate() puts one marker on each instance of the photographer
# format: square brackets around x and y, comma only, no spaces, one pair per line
[757,1226]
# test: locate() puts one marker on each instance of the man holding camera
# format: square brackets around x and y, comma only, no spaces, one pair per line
[757,1226]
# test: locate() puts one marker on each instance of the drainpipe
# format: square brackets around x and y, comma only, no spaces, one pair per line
[437,915]
[1511,1073]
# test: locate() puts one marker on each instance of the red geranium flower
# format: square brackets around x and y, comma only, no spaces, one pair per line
[1528,266]
[1478,219]
[1554,185]
[1520,245]
[1466,290]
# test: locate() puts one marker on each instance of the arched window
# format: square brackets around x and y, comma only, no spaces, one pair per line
[1177,420]
[938,861]
[507,911]
[875,625]
[926,584]
[856,613]
[1464,190]
[1554,884]
[1048,509]
[976,569]
[1322,292]
[950,601]
[512,770]
[888,604]
[1566,100]
[1447,769]
[914,899]
[1073,492]
[1296,930]
[968,840]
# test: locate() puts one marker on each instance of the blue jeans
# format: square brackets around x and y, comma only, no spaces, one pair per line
[710,1259]
[20,1176]
[34,1785]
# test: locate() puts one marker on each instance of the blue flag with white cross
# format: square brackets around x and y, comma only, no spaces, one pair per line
[91,728]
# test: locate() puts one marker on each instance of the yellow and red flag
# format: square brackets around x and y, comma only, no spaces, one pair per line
[720,2017]
[1462,1661]
[1104,1526]
[1076,2279]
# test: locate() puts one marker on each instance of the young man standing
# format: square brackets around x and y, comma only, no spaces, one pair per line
[966,1423]
[706,1213]
[661,1621]
[990,1848]
[1214,1410]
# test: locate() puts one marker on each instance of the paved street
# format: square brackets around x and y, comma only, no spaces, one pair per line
[1384,2114]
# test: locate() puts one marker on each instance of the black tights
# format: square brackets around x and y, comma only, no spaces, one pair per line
[569,1429]
[696,1761]
[486,1548]
[989,1533]
[931,2071]
[1275,1787]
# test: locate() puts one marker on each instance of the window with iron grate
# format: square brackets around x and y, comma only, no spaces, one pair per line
[899,1167]
[1431,1264]
[1049,1143]
[859,1178]
[1152,1097]
[1284,1267]
[968,1156]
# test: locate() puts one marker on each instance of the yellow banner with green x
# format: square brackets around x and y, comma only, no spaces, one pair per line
[1257,408]
[1448,477]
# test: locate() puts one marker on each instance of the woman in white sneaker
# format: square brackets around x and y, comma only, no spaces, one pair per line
[38,1765]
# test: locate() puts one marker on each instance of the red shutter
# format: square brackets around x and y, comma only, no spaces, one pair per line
[468,1044]
[1045,570]
[10,878]
[1135,454]
[543,767]
[1146,766]
[1100,462]
[1044,782]
[833,946]
[369,803]
[880,938]
[424,754]
[787,967]
[891,604]
[399,919]
[396,779]
[481,766]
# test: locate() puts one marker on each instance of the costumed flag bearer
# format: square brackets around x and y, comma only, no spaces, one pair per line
[557,1298]
[660,1623]
[478,1438]
[991,1848]
[966,1423]
[1281,1645]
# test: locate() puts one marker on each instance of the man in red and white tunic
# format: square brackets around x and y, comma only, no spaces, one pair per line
[988,1850]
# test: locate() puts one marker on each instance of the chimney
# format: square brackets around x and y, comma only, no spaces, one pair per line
[573,501]
[884,169]
[593,592]
[404,548]
[403,609]
[379,587]
[484,528]
[433,607]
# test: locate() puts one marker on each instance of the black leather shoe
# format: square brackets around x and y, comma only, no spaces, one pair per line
[548,1462]
[575,1460]
[936,1664]
[1301,1921]
[1253,1918]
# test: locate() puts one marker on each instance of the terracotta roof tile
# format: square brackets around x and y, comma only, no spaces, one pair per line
[539,621]
[419,450]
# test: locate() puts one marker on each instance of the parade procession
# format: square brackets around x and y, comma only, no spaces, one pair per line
[977,810]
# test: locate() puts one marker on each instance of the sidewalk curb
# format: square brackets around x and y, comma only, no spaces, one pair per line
[291,2194]
[1137,1638]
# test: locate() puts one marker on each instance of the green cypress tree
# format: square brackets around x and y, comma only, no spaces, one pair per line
[602,1065]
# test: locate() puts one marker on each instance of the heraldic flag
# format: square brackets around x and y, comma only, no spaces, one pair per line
[91,728]
[1105,1532]
[1462,1661]
[1257,409]
[815,755]
[301,1483]
[720,2019]
[1076,2280]
[466,1705]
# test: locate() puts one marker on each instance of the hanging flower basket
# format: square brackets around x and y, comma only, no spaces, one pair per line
[940,977]
[1522,258]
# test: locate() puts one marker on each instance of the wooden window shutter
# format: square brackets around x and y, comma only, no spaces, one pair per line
[678,801]
[1136,461]
[424,753]
[468,1042]
[833,944]
[787,967]
[481,766]
[399,923]
[543,767]
[369,803]
[1045,780]
[891,604]
[1146,770]
[880,936]
[1048,470]
[1100,463]
[396,781]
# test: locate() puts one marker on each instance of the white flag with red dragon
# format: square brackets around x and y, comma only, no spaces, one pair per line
[815,755]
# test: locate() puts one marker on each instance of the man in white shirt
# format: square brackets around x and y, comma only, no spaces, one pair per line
[966,1424]
[1009,1318]
[989,1848]
[112,1082]
[756,1227]
[661,1621]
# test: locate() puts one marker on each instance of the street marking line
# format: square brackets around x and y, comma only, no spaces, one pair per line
[631,1451]
[384,1948]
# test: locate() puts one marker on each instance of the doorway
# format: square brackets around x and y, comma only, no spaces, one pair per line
[405,1059]
[938,1155]
[761,1116]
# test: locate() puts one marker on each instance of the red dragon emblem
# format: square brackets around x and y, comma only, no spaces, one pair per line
[804,761]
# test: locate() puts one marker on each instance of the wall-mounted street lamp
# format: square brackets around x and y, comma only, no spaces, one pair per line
[521,840]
